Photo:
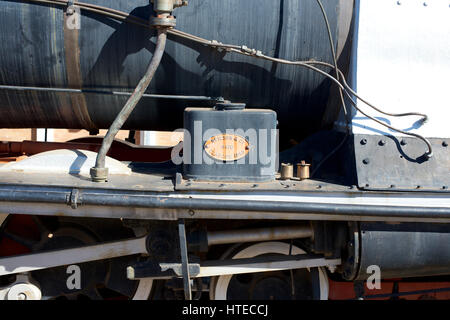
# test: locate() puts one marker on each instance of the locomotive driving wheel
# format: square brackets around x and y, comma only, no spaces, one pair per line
[300,284]
[97,280]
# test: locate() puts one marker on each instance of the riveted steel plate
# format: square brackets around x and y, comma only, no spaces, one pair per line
[397,163]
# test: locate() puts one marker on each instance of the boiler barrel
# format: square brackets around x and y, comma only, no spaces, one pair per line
[40,49]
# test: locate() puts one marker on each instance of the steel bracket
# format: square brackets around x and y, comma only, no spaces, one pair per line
[184,260]
[154,270]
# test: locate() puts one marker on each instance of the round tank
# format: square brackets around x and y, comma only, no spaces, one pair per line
[104,54]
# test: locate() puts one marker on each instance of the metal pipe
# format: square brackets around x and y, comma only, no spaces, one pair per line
[261,234]
[116,93]
[99,173]
[99,197]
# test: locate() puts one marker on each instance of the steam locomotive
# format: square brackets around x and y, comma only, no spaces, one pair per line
[314,162]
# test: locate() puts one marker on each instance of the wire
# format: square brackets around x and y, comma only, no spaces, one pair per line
[244,50]
[344,107]
[333,53]
[347,132]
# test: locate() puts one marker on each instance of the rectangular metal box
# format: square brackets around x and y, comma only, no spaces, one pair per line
[230,143]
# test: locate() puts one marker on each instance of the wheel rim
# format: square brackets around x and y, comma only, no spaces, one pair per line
[12,247]
[220,285]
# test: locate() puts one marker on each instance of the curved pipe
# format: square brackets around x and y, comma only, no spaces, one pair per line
[99,173]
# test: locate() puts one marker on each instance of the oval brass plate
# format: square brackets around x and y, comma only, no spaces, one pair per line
[226,147]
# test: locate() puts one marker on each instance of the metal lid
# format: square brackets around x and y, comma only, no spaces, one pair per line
[229,106]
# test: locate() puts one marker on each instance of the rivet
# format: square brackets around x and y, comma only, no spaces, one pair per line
[382,142]
[425,4]
[191,212]
[363,141]
[445,144]
[403,142]
[392,186]
[399,3]
[366,161]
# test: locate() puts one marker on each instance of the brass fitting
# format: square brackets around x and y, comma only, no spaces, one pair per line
[287,171]
[303,170]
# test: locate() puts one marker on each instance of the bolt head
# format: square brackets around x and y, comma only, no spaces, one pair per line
[21,296]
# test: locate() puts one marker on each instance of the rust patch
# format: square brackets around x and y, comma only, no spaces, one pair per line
[73,71]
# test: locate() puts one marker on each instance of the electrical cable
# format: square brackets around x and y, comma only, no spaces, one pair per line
[333,53]
[347,132]
[123,16]
[344,107]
